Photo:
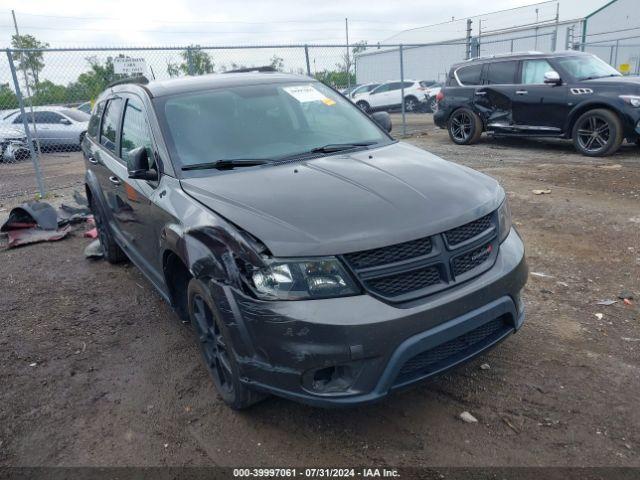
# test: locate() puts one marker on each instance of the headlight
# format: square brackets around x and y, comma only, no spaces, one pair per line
[303,279]
[633,100]
[504,219]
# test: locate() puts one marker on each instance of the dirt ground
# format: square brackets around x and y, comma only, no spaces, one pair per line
[97,370]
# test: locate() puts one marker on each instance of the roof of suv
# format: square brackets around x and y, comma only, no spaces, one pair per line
[518,56]
[174,86]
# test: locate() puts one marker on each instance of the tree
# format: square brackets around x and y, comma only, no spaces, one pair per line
[277,62]
[349,60]
[48,93]
[195,61]
[91,83]
[8,99]
[31,62]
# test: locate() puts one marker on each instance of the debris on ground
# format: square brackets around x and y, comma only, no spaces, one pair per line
[93,233]
[599,316]
[30,215]
[625,294]
[468,418]
[541,192]
[25,236]
[94,250]
[541,275]
[626,301]
[606,303]
[485,366]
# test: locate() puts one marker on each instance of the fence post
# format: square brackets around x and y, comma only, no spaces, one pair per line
[25,123]
[306,56]
[189,62]
[404,119]
[615,60]
[611,55]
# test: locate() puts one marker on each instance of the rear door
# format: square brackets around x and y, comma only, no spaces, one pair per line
[494,100]
[540,107]
[377,96]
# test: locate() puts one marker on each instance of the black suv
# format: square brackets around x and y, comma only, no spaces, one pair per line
[316,257]
[566,95]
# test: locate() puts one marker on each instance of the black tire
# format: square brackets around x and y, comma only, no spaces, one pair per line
[411,104]
[432,104]
[364,106]
[464,126]
[597,133]
[112,252]
[217,350]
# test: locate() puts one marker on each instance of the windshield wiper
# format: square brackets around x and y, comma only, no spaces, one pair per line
[339,147]
[227,164]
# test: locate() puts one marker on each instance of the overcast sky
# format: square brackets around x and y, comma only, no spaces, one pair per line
[227,22]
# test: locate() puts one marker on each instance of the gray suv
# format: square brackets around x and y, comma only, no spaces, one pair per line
[315,257]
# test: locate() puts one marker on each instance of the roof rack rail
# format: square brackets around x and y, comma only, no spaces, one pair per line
[140,80]
[509,54]
[266,68]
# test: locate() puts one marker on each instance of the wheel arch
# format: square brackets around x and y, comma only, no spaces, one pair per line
[583,108]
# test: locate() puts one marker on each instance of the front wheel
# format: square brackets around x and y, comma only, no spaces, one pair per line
[598,133]
[464,126]
[217,350]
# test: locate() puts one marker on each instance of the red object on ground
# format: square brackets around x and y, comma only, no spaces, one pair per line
[93,233]
[25,236]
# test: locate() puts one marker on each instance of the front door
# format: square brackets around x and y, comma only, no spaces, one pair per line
[541,108]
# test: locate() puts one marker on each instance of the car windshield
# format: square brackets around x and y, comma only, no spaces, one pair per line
[77,115]
[266,121]
[587,67]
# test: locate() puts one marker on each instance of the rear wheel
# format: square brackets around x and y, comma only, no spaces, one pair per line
[598,133]
[112,252]
[433,104]
[464,126]
[364,106]
[217,350]
[411,104]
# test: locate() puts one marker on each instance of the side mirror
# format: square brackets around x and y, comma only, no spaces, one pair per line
[65,121]
[138,165]
[383,119]
[552,78]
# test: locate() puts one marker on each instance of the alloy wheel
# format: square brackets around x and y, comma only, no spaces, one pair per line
[594,134]
[410,105]
[213,345]
[461,126]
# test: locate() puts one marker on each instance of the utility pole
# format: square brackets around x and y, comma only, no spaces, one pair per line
[36,161]
[469,27]
[348,62]
[555,37]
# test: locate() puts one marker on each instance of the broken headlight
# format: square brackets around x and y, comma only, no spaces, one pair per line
[504,219]
[633,100]
[303,280]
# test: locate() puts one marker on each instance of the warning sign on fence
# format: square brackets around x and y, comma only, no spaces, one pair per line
[129,66]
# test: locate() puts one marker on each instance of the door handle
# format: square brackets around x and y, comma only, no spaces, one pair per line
[521,92]
[92,160]
[115,180]
[481,93]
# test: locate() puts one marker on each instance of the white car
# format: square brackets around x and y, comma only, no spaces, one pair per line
[54,126]
[360,89]
[388,95]
[431,92]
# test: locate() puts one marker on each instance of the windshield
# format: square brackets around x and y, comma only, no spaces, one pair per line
[267,121]
[587,67]
[77,115]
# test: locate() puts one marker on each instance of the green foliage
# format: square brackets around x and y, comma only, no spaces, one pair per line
[335,78]
[195,61]
[8,99]
[31,62]
[277,63]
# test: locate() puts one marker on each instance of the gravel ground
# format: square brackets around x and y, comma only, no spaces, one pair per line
[97,370]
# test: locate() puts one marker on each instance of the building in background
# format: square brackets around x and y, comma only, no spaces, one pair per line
[612,32]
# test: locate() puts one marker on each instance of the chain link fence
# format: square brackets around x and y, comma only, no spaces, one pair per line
[46,95]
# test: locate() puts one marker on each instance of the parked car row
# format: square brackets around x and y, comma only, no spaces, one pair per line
[570,95]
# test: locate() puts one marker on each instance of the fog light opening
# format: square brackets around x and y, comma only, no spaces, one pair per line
[333,379]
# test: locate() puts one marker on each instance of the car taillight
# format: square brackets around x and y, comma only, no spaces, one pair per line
[439,96]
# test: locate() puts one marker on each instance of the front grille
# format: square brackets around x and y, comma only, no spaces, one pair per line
[393,253]
[394,285]
[466,232]
[427,265]
[452,351]
[471,260]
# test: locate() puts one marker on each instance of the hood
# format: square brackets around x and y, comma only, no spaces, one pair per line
[346,203]
[11,132]
[616,81]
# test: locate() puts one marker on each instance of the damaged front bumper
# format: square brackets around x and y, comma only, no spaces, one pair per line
[353,350]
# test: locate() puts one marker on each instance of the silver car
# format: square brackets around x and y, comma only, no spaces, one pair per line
[59,127]
[13,144]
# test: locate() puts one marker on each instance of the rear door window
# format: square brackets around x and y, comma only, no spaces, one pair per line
[470,75]
[110,120]
[501,73]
